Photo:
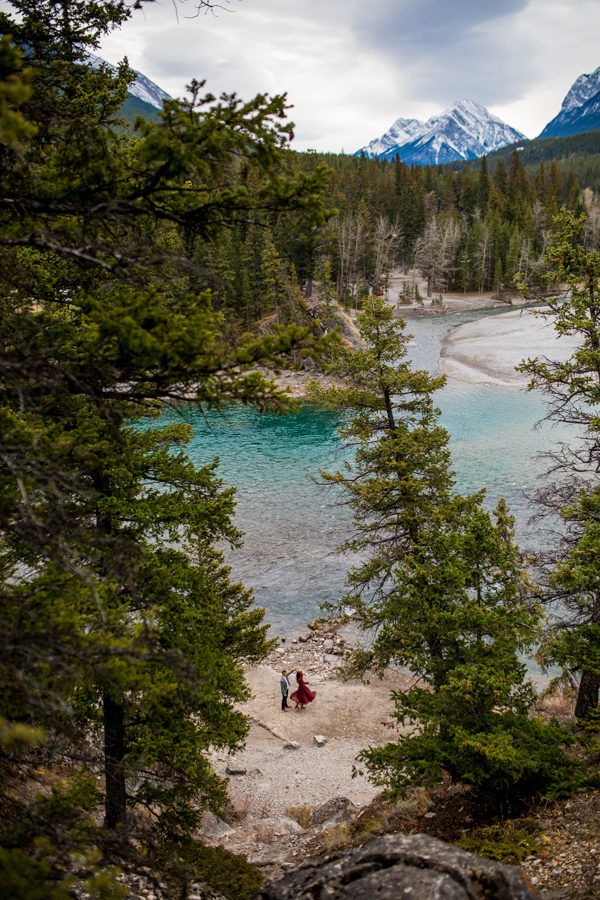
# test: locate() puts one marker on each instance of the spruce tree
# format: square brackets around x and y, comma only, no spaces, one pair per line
[571,285]
[439,589]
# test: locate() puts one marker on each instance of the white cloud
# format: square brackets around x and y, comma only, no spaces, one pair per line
[350,69]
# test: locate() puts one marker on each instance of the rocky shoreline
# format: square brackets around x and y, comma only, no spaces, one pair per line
[293,781]
[293,796]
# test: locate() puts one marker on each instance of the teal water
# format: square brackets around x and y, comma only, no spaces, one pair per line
[293,525]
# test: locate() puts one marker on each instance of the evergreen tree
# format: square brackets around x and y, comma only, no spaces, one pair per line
[438,590]
[117,611]
[483,185]
[573,390]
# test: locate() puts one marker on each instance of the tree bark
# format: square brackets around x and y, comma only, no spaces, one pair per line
[587,697]
[115,805]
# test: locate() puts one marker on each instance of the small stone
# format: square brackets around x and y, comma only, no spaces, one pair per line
[232,769]
[213,827]
[429,815]
[320,740]
[280,650]
[291,745]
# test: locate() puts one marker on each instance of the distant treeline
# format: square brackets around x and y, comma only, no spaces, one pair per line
[468,229]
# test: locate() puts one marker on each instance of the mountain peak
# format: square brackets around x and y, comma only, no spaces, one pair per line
[580,110]
[582,90]
[142,87]
[465,130]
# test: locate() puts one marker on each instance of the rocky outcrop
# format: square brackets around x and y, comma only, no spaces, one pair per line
[337,811]
[395,866]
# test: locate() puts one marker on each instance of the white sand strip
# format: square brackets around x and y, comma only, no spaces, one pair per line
[487,351]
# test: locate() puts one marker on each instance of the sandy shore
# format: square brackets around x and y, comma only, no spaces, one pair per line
[487,351]
[293,762]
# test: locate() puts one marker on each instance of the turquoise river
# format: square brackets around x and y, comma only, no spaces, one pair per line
[292,524]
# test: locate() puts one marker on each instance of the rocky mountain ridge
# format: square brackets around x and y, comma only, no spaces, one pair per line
[142,88]
[580,110]
[466,130]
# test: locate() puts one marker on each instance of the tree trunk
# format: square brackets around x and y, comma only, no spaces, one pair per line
[115,806]
[587,697]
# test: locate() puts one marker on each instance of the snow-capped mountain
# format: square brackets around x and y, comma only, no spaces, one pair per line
[580,110]
[465,130]
[142,87]
[401,132]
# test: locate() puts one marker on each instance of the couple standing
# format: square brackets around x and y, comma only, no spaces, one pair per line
[301,696]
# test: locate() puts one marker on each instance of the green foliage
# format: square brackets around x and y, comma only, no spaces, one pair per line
[508,842]
[226,873]
[572,386]
[47,846]
[439,589]
[122,633]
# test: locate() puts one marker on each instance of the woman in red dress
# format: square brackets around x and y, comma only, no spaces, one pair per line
[302,695]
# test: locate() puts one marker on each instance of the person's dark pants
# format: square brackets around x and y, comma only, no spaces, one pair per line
[284,701]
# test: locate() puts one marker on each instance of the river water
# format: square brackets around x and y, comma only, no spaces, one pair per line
[292,524]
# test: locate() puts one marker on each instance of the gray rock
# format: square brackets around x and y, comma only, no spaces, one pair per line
[417,866]
[202,891]
[291,745]
[213,827]
[320,740]
[234,769]
[334,812]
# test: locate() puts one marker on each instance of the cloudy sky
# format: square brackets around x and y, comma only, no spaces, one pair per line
[351,67]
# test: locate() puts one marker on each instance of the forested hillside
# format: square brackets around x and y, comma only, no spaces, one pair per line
[466,230]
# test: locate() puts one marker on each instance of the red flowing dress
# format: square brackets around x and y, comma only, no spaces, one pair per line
[302,695]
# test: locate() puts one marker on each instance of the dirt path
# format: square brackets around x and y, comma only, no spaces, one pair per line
[283,774]
[281,747]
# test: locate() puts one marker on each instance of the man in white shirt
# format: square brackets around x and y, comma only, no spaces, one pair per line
[285,687]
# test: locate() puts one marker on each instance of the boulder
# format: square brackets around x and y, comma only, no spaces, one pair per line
[213,828]
[336,811]
[397,865]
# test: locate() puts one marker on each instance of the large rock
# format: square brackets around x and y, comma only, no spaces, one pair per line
[214,828]
[418,867]
[336,811]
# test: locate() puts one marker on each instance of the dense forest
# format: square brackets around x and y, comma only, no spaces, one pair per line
[471,229]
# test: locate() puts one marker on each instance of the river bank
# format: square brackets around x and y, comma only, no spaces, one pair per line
[488,350]
[293,796]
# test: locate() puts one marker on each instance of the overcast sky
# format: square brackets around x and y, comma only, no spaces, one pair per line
[351,67]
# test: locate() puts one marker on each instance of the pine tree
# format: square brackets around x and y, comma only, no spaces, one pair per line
[118,613]
[438,590]
[573,390]
[483,185]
